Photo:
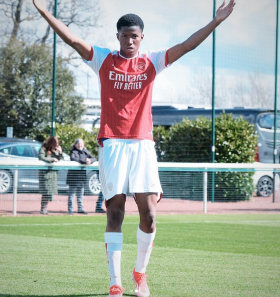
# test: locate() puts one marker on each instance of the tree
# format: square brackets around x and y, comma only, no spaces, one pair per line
[26,89]
[16,14]
[252,90]
[261,92]
[67,134]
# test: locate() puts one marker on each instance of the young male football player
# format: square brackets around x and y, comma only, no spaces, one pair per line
[127,156]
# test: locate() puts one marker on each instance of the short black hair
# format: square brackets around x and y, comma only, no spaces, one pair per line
[130,20]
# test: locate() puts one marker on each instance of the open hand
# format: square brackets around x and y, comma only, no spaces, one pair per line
[40,5]
[224,11]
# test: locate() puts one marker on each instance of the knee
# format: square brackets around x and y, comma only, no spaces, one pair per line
[114,219]
[148,221]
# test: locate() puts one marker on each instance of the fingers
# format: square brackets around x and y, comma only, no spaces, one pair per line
[229,7]
[223,4]
[224,11]
[231,4]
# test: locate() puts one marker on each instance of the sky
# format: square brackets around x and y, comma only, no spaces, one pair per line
[245,47]
[245,50]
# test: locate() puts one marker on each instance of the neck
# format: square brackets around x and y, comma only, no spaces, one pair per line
[126,56]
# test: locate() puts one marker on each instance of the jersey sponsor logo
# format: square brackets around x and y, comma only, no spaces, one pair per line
[124,81]
[127,86]
[127,77]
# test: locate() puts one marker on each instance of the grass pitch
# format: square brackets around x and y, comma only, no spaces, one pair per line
[193,255]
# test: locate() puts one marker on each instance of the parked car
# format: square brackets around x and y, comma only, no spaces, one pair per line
[263,182]
[28,180]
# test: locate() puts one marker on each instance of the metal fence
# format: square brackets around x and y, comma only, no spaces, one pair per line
[237,67]
[187,188]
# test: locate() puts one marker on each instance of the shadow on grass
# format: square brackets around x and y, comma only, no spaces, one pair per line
[79,295]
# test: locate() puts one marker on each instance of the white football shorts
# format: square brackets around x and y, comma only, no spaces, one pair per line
[128,162]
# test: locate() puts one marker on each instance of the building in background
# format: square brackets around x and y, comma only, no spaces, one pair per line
[93,113]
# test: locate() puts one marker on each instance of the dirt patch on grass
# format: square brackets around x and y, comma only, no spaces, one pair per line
[29,204]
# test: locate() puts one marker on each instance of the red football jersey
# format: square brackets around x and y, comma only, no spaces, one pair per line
[126,87]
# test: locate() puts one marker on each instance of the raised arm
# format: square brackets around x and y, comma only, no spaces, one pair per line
[198,37]
[81,46]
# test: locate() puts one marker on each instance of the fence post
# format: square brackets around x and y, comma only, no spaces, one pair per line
[205,191]
[54,74]
[276,97]
[213,100]
[15,184]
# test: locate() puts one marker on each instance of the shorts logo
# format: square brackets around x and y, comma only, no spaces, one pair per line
[110,186]
[140,66]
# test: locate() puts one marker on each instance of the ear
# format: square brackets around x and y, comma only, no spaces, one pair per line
[142,36]
[118,36]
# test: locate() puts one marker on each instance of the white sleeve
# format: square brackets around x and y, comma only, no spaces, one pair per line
[99,55]
[159,59]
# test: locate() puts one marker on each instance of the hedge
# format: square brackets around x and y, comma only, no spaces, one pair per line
[67,134]
[191,141]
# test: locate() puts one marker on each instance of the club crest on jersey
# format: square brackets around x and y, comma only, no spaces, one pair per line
[140,66]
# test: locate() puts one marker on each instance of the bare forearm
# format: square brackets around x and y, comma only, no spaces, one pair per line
[61,29]
[192,42]
[82,47]
[198,37]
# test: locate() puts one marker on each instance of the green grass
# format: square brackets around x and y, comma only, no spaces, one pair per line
[193,255]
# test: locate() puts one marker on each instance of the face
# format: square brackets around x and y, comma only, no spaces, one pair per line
[130,38]
[80,145]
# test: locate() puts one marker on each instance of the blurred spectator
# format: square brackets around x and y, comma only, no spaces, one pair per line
[99,202]
[50,152]
[76,179]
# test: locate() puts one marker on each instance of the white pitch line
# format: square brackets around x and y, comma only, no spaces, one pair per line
[64,224]
[134,223]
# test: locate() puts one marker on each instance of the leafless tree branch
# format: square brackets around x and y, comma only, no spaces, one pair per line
[19,14]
